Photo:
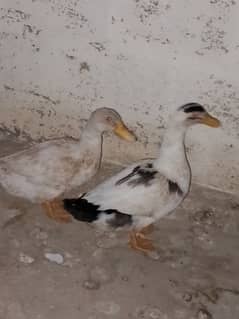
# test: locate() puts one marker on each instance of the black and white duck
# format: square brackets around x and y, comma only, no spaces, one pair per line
[144,192]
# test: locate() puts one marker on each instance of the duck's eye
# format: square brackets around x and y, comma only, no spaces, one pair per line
[110,120]
[196,115]
[193,117]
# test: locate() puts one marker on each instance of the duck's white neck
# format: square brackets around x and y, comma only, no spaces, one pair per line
[90,133]
[90,142]
[172,159]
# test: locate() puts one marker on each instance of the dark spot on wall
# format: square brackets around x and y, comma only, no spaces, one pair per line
[9,88]
[121,57]
[98,46]
[29,29]
[40,112]
[139,125]
[71,57]
[84,66]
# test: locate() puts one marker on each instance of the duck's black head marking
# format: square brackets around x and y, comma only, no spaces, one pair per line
[192,107]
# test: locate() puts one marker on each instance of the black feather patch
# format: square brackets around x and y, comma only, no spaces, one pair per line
[174,188]
[192,107]
[88,212]
[81,209]
[127,177]
[144,175]
[119,219]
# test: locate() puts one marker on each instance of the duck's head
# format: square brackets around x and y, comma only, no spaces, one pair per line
[194,113]
[108,120]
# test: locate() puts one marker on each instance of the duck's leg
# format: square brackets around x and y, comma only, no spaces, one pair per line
[54,209]
[139,241]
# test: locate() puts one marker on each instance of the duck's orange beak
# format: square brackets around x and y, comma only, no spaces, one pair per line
[123,132]
[209,120]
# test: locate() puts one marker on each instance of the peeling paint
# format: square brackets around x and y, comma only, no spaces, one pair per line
[13,15]
[146,9]
[213,36]
[223,3]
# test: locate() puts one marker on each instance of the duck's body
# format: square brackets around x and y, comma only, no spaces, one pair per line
[43,172]
[144,192]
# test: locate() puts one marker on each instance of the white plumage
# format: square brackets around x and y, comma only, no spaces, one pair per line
[142,201]
[46,170]
[145,191]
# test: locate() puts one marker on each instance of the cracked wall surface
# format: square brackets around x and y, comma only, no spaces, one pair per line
[60,60]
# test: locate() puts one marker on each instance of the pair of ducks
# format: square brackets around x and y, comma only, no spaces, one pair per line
[134,198]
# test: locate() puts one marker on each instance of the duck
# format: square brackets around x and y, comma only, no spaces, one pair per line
[43,172]
[145,191]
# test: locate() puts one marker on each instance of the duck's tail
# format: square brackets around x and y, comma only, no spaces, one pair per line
[81,209]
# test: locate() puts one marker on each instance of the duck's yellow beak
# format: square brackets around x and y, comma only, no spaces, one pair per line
[123,132]
[209,120]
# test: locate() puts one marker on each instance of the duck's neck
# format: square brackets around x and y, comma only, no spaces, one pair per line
[172,160]
[90,134]
[91,143]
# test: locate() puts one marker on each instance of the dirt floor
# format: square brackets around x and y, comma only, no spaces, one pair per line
[50,270]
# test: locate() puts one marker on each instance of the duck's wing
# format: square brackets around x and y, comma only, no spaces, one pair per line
[42,168]
[131,191]
[33,160]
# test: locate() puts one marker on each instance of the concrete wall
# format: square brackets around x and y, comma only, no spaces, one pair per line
[60,59]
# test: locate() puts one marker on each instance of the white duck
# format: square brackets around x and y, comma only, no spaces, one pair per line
[43,172]
[146,191]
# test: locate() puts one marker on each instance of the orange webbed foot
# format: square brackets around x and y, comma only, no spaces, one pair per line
[54,209]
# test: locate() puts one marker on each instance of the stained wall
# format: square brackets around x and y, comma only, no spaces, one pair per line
[59,60]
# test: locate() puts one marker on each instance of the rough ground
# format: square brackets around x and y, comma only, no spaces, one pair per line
[96,276]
